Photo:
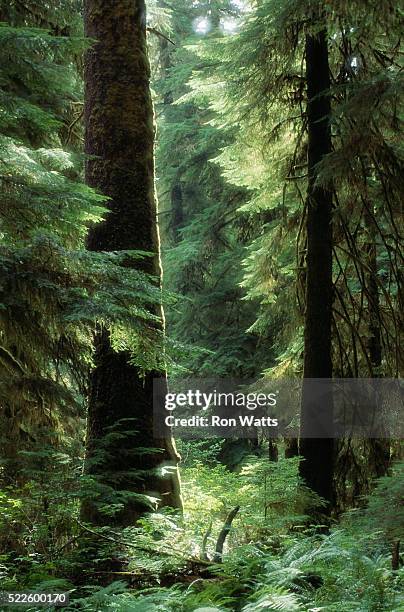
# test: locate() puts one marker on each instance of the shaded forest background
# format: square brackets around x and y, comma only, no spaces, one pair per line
[271,133]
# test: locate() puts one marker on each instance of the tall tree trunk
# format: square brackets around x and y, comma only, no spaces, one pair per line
[214,16]
[378,448]
[317,452]
[291,448]
[374,344]
[177,207]
[272,450]
[120,137]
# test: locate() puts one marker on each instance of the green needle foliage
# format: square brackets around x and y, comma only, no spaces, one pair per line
[230,97]
[253,84]
[205,238]
[53,293]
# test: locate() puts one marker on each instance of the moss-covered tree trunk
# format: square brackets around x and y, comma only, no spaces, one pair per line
[317,452]
[119,133]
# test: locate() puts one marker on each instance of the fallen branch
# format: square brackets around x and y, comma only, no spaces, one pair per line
[153,551]
[223,535]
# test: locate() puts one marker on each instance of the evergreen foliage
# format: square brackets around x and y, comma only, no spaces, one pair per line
[256,83]
[53,291]
[205,239]
[230,95]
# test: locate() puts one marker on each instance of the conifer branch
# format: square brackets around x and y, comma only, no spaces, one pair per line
[160,34]
[10,362]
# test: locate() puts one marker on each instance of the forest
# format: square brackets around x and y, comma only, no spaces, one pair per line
[201,194]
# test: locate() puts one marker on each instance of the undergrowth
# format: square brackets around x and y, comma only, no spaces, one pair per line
[273,558]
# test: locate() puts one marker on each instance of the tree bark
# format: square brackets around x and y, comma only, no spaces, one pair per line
[374,344]
[378,448]
[223,535]
[177,209]
[119,137]
[317,451]
[291,448]
[272,450]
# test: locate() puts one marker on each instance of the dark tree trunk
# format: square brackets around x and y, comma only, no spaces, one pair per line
[272,450]
[378,448]
[120,134]
[291,448]
[214,16]
[165,65]
[317,451]
[177,209]
[374,344]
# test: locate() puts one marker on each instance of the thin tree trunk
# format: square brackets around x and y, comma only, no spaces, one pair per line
[291,448]
[374,339]
[272,450]
[214,16]
[378,448]
[120,135]
[317,451]
[177,211]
